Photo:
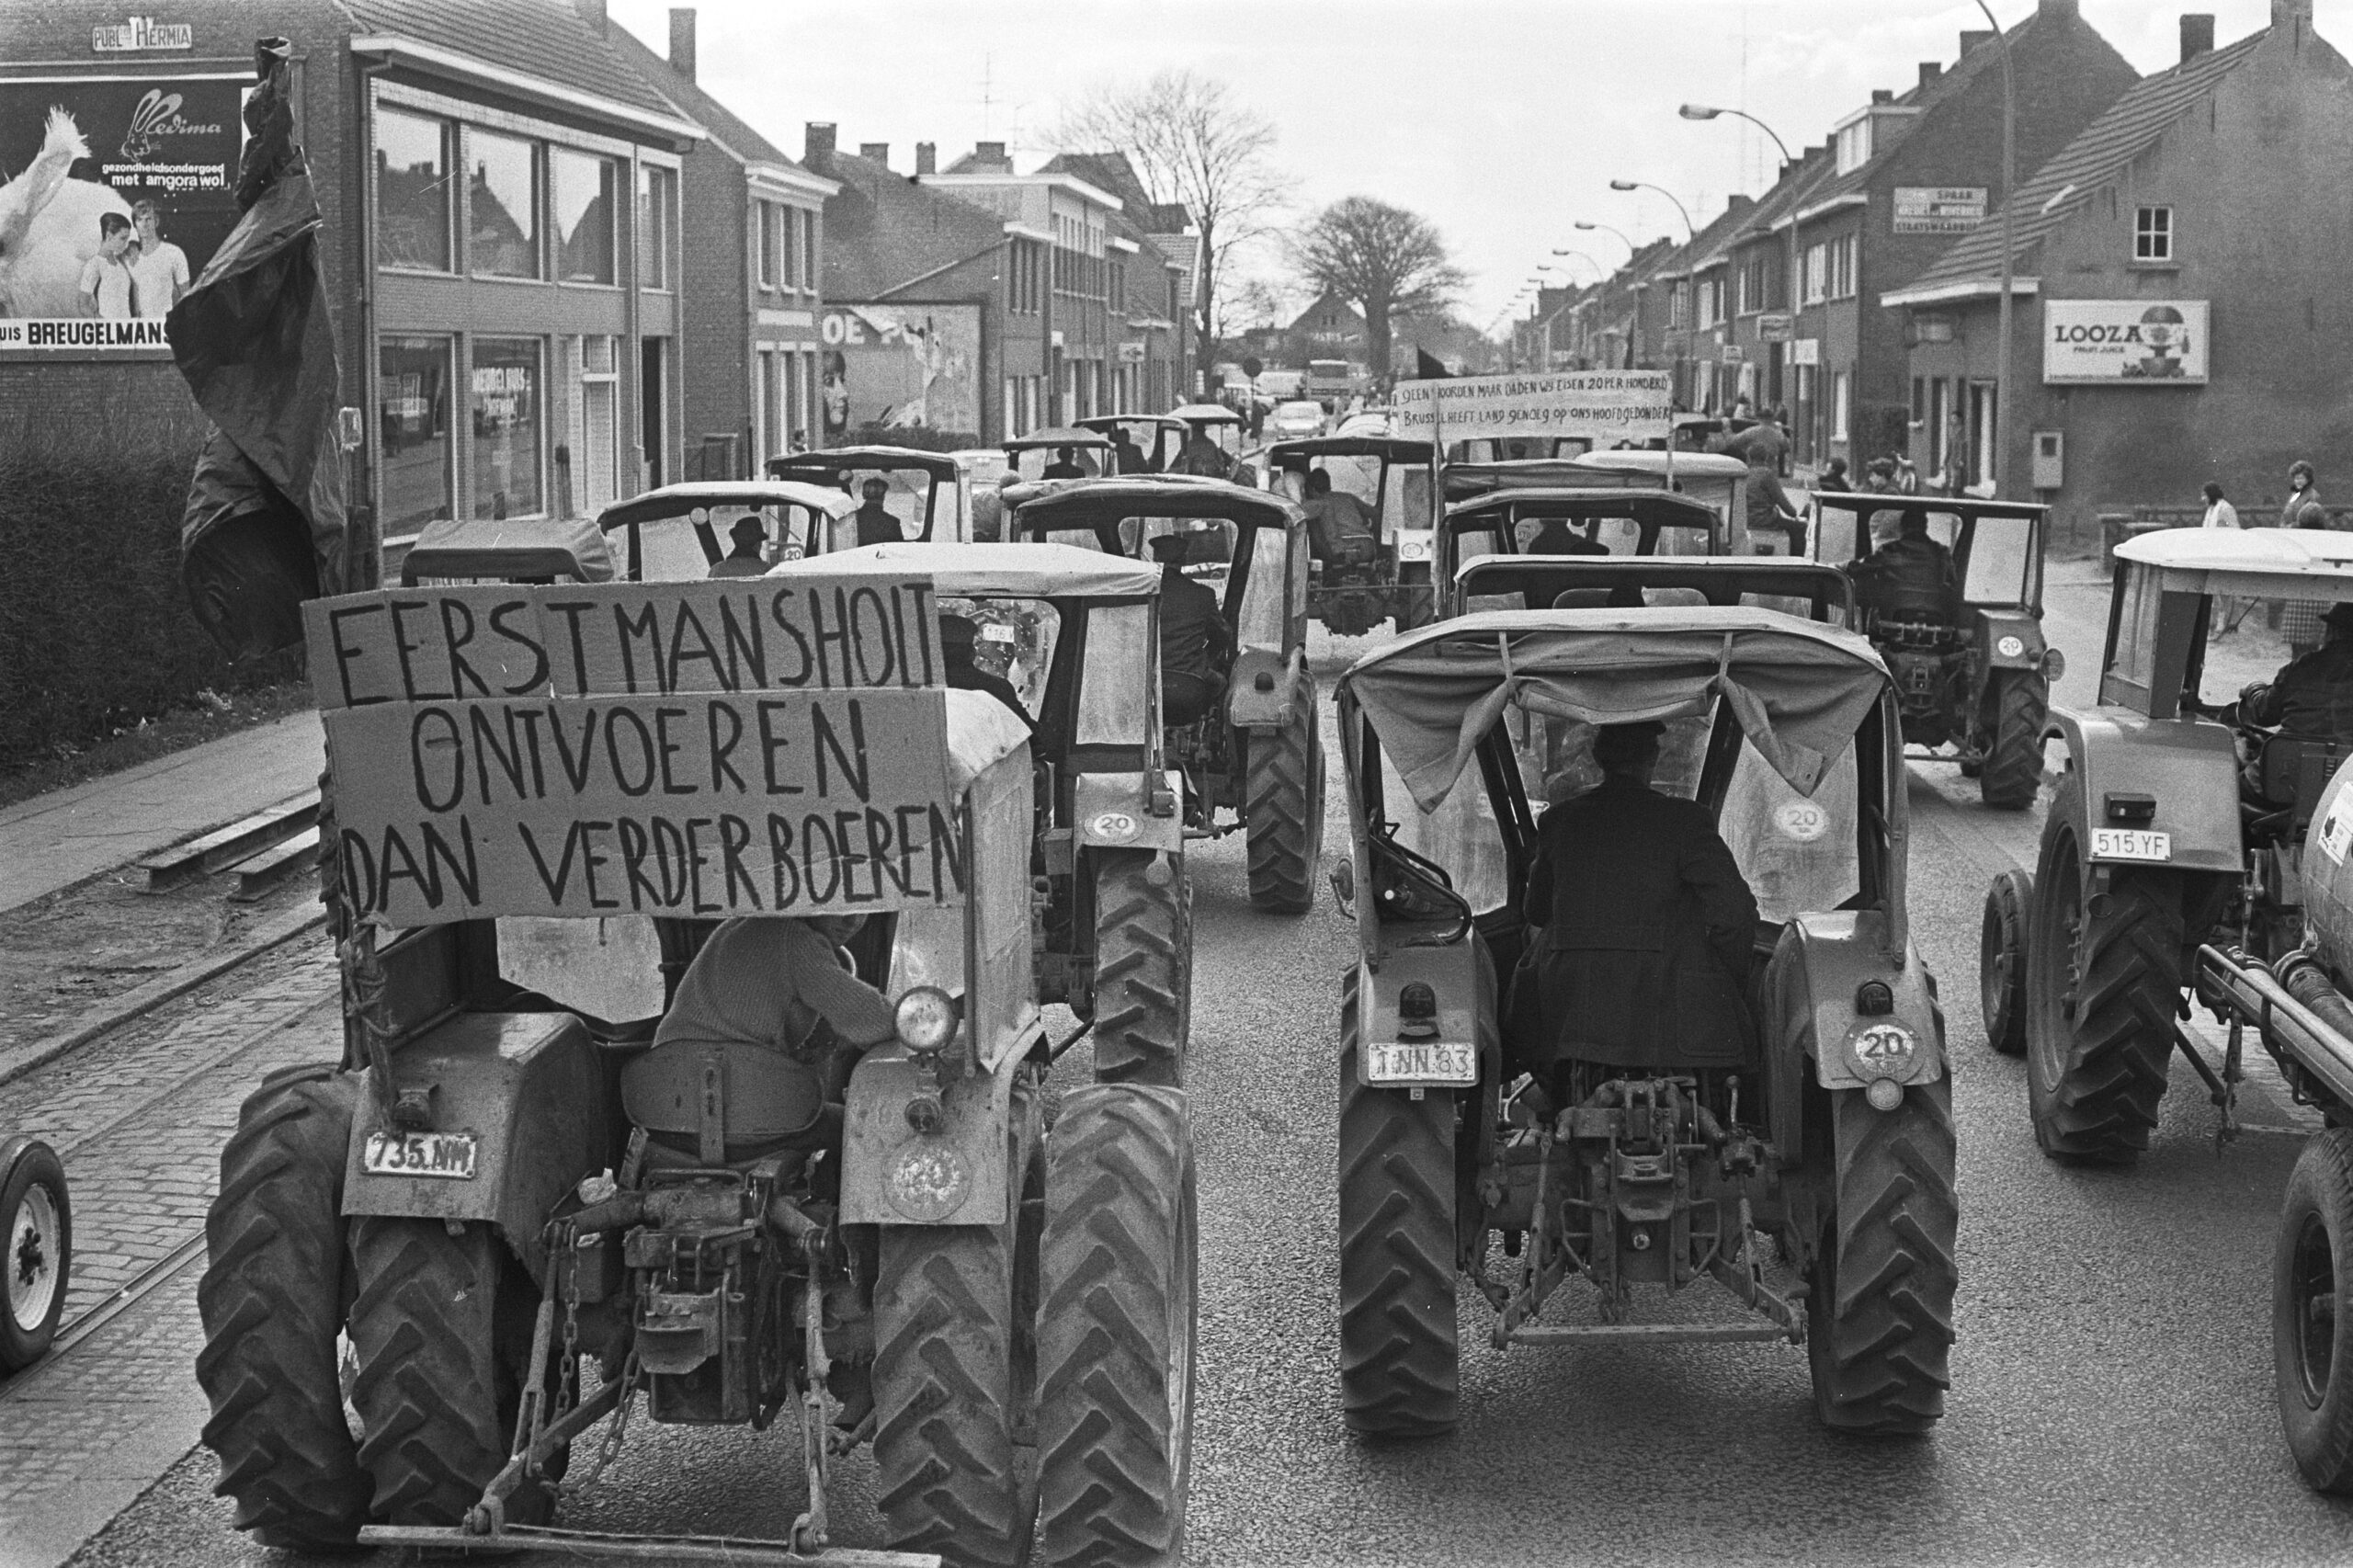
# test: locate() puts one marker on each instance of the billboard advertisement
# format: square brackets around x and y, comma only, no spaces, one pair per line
[2135,342]
[901,365]
[118,191]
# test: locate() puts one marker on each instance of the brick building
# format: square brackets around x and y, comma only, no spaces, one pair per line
[1152,298]
[2175,290]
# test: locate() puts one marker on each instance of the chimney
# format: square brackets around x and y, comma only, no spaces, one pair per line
[1882,95]
[990,157]
[1929,72]
[817,145]
[682,40]
[1739,203]
[2197,35]
[2057,9]
[592,13]
[927,158]
[2292,11]
[1971,40]
[877,151]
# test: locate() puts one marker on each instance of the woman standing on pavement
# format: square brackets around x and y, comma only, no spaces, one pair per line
[2221,514]
[2300,618]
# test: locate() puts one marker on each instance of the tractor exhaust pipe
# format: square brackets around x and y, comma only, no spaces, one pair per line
[2298,1009]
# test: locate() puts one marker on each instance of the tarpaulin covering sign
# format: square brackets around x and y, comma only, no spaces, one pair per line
[1601,405]
[745,747]
[263,528]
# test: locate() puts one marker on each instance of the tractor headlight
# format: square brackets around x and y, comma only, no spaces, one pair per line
[926,1019]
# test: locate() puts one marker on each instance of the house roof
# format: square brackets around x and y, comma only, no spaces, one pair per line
[1327,300]
[884,232]
[541,40]
[689,99]
[2099,153]
[1112,172]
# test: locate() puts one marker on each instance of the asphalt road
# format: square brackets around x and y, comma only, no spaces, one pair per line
[2113,1386]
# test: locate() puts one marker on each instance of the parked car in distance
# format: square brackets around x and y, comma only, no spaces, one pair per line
[1295,419]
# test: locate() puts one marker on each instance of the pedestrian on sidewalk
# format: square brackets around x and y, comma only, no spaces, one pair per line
[2221,514]
[2299,620]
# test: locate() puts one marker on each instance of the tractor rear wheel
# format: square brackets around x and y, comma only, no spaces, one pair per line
[1144,963]
[272,1298]
[2311,1313]
[441,1329]
[1115,1336]
[2019,701]
[956,1371]
[1284,810]
[2099,1030]
[1879,1334]
[36,1250]
[2001,961]
[1399,1357]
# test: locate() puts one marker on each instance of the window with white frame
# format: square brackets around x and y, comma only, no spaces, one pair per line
[1842,392]
[1842,268]
[2153,234]
[764,224]
[413,216]
[584,188]
[657,199]
[597,463]
[503,201]
[1854,145]
[1817,272]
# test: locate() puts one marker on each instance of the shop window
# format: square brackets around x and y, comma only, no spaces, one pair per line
[411,190]
[506,412]
[2153,234]
[583,188]
[412,424]
[503,190]
[657,198]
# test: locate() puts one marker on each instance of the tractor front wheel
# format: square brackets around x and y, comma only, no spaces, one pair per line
[1283,810]
[2019,702]
[2311,1313]
[1879,1337]
[36,1250]
[1144,961]
[2001,961]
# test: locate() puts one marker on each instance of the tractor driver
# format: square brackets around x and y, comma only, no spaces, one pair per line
[1554,537]
[877,524]
[1910,577]
[958,638]
[1201,456]
[746,560]
[1193,642]
[1338,527]
[2311,697]
[1064,466]
[1648,928]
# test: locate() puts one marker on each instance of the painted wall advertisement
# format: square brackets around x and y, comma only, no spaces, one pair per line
[901,366]
[118,191]
[2100,342]
[1938,209]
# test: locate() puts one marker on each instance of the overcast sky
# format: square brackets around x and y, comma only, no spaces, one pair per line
[1501,121]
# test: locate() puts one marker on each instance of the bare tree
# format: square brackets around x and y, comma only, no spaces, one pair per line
[1192,145]
[1383,259]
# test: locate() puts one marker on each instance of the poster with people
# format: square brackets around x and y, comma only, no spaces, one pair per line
[114,193]
[900,365]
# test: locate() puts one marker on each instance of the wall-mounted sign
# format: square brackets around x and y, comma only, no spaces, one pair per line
[1775,329]
[1805,351]
[138,33]
[1132,353]
[2100,342]
[1938,209]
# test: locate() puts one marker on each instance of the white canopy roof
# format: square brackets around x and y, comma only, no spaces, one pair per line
[1687,465]
[2313,565]
[980,730]
[679,500]
[1799,688]
[993,571]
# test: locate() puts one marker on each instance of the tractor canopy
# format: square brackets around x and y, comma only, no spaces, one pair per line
[999,571]
[519,550]
[923,490]
[679,532]
[1594,582]
[1996,545]
[1627,522]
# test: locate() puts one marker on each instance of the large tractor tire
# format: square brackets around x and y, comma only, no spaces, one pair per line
[1879,1333]
[956,1372]
[2311,1313]
[2001,961]
[276,1284]
[1143,964]
[2020,700]
[1115,1338]
[1415,607]
[1400,1360]
[1283,810]
[2099,1041]
[441,1329]
[36,1250]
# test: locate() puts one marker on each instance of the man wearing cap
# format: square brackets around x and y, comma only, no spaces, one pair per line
[1647,928]
[2312,698]
[1910,577]
[877,524]
[1193,642]
[1064,466]
[958,637]
[744,561]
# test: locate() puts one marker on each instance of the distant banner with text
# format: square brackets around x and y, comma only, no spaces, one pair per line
[1601,405]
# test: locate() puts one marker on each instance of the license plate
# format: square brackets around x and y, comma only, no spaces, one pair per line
[2130,844]
[1420,1062]
[447,1155]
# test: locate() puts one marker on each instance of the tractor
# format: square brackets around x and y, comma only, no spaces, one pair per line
[684,533]
[931,493]
[1259,752]
[1391,480]
[514,1211]
[36,1249]
[2189,853]
[1559,1185]
[1547,522]
[1975,673]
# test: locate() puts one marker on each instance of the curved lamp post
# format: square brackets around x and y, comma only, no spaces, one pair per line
[1689,233]
[1704,111]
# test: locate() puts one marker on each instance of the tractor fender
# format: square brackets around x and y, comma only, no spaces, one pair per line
[1461,978]
[530,1090]
[1267,691]
[2010,639]
[1113,810]
[1811,987]
[2187,768]
[953,1175]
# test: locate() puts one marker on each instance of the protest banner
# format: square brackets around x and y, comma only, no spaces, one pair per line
[1600,406]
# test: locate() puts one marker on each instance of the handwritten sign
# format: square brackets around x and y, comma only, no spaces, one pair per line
[711,749]
[1615,405]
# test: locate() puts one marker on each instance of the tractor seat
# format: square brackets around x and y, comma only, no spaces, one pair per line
[2290,774]
[724,1101]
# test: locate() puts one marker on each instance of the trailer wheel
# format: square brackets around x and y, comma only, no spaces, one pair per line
[272,1298]
[36,1250]
[1400,1360]
[1879,1337]
[2099,1041]
[441,1329]
[1115,1338]
[2001,961]
[1144,952]
[2311,1313]
[2013,775]
[955,1371]
[1283,810]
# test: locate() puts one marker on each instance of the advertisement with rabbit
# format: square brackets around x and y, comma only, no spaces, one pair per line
[114,193]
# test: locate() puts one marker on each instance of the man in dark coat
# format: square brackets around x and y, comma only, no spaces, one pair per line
[1554,537]
[1646,926]
[1910,577]
[1193,642]
[877,524]
[2312,698]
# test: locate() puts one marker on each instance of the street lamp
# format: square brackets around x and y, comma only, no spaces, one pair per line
[1606,229]
[2010,223]
[1689,233]
[1704,111]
